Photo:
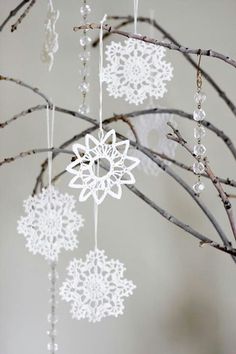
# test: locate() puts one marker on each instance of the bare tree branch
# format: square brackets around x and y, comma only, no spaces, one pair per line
[13,13]
[129,19]
[20,19]
[171,46]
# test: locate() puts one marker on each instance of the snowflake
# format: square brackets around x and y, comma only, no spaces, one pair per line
[114,155]
[96,287]
[136,70]
[50,46]
[50,223]
[154,127]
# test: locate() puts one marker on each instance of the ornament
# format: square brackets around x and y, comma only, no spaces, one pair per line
[96,287]
[199,149]
[136,70]
[118,166]
[85,40]
[146,127]
[50,46]
[50,223]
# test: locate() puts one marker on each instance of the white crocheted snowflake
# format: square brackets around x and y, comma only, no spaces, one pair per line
[50,223]
[152,130]
[104,150]
[96,287]
[51,45]
[136,70]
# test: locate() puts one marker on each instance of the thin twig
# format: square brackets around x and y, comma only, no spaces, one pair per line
[177,137]
[13,13]
[171,46]
[25,13]
[126,20]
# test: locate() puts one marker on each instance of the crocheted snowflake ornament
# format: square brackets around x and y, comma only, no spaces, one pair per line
[118,164]
[153,127]
[96,287]
[51,45]
[136,70]
[50,223]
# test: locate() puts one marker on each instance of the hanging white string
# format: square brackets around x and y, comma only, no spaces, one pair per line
[101,70]
[50,133]
[135,15]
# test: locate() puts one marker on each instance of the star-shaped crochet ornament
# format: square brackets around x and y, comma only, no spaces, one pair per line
[109,154]
[50,223]
[136,70]
[96,287]
[152,130]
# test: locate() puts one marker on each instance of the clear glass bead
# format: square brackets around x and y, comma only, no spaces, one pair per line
[200,97]
[85,40]
[199,150]
[83,109]
[52,347]
[52,332]
[50,275]
[84,57]
[199,115]
[84,71]
[84,87]
[85,10]
[52,319]
[198,187]
[198,168]
[199,132]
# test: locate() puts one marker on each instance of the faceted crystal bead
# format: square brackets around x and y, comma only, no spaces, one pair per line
[84,72]
[199,115]
[52,347]
[84,87]
[85,40]
[200,97]
[199,150]
[52,319]
[83,109]
[84,57]
[199,132]
[50,275]
[85,10]
[198,187]
[52,332]
[198,168]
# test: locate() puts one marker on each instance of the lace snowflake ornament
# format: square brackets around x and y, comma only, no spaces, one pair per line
[50,223]
[51,45]
[136,70]
[96,287]
[152,131]
[118,166]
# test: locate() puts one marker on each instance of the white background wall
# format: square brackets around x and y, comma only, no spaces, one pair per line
[185,297]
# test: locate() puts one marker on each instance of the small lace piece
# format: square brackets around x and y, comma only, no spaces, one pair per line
[96,287]
[51,45]
[136,70]
[153,127]
[50,223]
[118,166]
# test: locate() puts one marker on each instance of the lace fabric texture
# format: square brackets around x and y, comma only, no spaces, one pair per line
[153,126]
[136,70]
[50,46]
[51,223]
[111,155]
[96,287]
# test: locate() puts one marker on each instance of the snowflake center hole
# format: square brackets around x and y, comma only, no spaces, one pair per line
[98,165]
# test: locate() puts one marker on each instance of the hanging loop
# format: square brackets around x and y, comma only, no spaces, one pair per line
[199,73]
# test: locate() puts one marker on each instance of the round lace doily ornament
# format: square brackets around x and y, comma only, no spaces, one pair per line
[96,287]
[109,154]
[136,70]
[51,223]
[152,130]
